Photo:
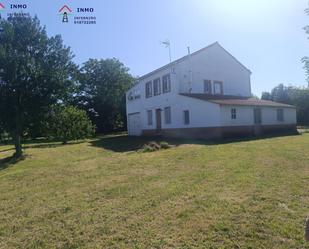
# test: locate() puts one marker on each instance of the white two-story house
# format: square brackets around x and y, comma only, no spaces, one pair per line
[206,94]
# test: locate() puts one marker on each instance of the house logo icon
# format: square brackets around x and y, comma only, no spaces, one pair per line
[65,11]
[1,8]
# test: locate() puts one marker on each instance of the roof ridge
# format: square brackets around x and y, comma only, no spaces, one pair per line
[178,60]
[194,53]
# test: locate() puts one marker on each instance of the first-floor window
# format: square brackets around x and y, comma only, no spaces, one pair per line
[186,117]
[280,115]
[167,115]
[149,117]
[233,113]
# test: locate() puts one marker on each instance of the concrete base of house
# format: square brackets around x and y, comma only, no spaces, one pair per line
[221,132]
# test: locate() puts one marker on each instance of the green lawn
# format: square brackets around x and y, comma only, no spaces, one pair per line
[104,193]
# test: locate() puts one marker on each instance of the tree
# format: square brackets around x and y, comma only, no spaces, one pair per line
[35,72]
[68,123]
[298,97]
[103,87]
[266,96]
[280,94]
[305,59]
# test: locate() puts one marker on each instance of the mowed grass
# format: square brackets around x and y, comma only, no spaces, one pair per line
[104,193]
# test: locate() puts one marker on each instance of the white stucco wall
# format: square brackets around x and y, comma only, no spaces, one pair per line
[202,114]
[214,64]
[245,116]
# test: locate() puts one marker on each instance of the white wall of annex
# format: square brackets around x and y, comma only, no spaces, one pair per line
[245,116]
[269,116]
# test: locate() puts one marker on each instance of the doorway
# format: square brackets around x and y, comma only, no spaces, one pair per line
[158,119]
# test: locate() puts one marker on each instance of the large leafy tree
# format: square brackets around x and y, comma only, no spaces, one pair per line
[103,86]
[35,72]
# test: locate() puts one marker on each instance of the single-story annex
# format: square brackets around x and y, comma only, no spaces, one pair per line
[206,94]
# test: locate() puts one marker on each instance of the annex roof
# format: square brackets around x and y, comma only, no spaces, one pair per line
[235,100]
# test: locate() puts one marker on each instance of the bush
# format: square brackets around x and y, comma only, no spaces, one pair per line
[164,145]
[69,123]
[148,148]
[154,146]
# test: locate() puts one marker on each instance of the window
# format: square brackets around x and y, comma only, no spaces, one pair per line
[207,86]
[157,87]
[149,117]
[218,85]
[148,89]
[257,116]
[167,115]
[166,81]
[186,117]
[280,115]
[233,113]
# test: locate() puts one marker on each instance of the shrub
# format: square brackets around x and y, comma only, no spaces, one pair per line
[154,146]
[164,145]
[69,123]
[148,148]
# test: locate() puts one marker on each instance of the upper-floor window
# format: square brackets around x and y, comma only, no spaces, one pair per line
[280,115]
[186,117]
[167,115]
[149,117]
[218,87]
[233,113]
[148,88]
[156,87]
[207,86]
[166,82]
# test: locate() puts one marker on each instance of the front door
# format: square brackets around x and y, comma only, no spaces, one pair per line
[158,119]
[257,113]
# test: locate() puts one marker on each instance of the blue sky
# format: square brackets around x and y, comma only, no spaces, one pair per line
[267,36]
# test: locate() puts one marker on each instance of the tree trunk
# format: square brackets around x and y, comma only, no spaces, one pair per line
[18,147]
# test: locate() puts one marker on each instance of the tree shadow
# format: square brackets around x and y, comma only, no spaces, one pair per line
[124,143]
[9,161]
[42,144]
[5,150]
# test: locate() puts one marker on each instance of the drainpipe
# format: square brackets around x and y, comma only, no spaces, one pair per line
[190,71]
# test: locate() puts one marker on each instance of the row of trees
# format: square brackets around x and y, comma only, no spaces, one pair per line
[43,90]
[298,97]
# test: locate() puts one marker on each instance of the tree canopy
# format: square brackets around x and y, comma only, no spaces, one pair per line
[35,72]
[103,86]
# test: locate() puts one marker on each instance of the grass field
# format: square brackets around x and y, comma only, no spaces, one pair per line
[103,193]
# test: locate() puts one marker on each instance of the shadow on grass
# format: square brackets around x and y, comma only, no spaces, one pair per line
[124,143]
[7,150]
[31,144]
[9,161]
[48,144]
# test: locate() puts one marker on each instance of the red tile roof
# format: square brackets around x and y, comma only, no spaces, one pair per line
[235,100]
